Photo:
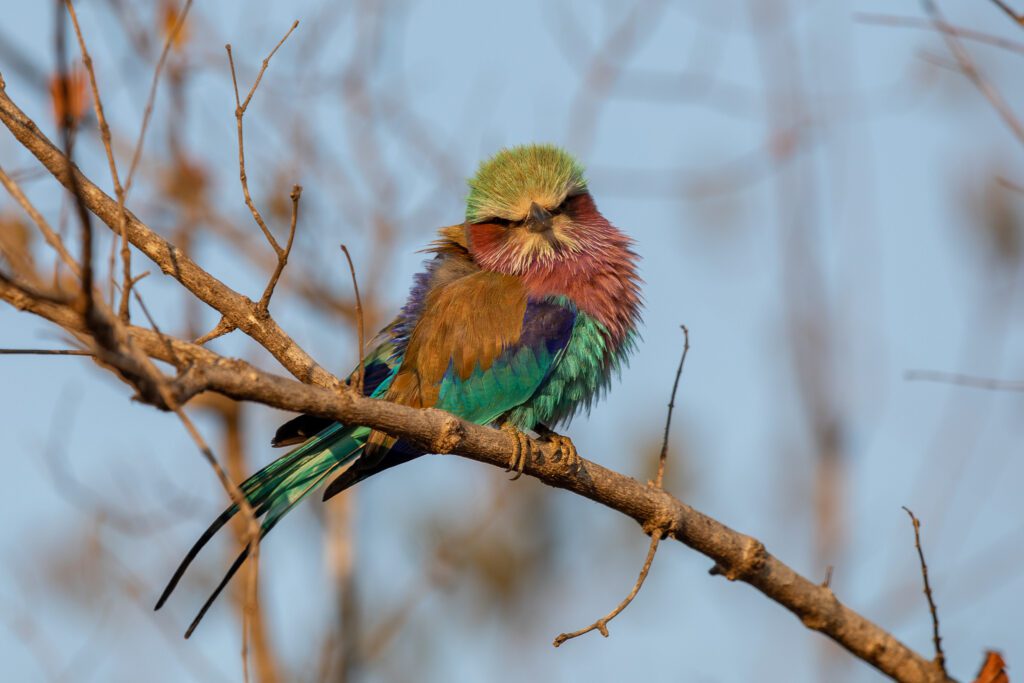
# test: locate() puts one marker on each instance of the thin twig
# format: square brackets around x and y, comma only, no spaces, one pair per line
[969,69]
[827,583]
[964,380]
[219,330]
[663,455]
[233,490]
[283,254]
[105,137]
[67,124]
[940,657]
[896,20]
[240,108]
[172,35]
[51,237]
[45,352]
[1017,17]
[147,114]
[167,342]
[601,625]
[360,370]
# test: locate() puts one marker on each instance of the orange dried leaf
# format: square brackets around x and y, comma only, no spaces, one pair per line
[169,15]
[993,670]
[69,96]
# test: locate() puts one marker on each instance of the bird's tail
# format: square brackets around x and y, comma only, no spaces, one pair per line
[275,490]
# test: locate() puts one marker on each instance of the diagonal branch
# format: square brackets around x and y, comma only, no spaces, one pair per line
[969,69]
[739,557]
[49,234]
[237,309]
[1017,17]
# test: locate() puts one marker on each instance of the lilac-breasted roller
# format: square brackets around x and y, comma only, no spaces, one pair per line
[520,319]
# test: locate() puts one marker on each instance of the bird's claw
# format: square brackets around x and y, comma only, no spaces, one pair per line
[522,450]
[567,452]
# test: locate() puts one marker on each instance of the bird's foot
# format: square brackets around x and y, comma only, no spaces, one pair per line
[522,449]
[567,452]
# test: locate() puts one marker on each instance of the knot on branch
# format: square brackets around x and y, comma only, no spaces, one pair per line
[660,523]
[191,380]
[450,436]
[751,560]
[814,621]
[876,648]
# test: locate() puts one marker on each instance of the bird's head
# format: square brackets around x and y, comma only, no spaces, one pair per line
[529,206]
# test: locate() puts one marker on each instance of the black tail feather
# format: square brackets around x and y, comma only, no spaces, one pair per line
[199,544]
[224,582]
[400,453]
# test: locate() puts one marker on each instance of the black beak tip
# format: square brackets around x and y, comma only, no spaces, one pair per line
[539,219]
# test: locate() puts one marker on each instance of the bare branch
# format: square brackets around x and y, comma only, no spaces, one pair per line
[655,530]
[119,191]
[67,128]
[51,237]
[964,380]
[663,455]
[601,625]
[896,20]
[282,254]
[940,657]
[1017,17]
[240,108]
[969,69]
[44,352]
[737,556]
[237,309]
[219,330]
[172,35]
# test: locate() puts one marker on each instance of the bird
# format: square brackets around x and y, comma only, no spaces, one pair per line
[520,319]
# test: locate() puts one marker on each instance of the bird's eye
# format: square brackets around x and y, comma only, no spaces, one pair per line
[495,220]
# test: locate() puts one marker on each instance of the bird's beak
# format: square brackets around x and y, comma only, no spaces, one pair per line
[539,219]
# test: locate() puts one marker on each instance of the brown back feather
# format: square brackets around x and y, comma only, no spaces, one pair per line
[466,323]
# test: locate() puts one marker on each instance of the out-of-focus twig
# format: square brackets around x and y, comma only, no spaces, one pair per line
[897,20]
[964,380]
[969,69]
[51,237]
[44,352]
[1017,17]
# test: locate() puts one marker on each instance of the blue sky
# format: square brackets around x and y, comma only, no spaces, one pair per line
[887,155]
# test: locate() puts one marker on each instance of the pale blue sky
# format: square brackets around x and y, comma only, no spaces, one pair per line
[893,141]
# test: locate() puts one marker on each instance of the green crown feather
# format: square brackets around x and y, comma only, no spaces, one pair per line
[505,184]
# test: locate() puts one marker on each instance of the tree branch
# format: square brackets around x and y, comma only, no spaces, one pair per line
[737,556]
[237,309]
